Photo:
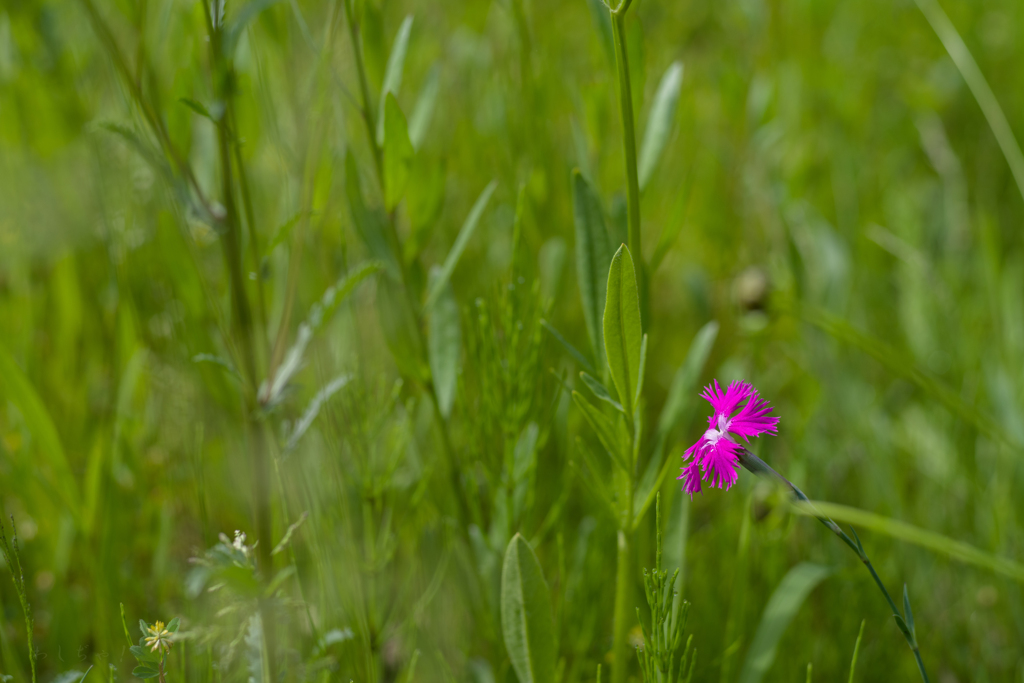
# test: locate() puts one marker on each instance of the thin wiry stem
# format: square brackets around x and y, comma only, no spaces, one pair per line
[904,621]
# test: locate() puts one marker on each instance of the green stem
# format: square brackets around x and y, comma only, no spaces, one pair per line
[628,133]
[755,465]
[623,613]
[370,119]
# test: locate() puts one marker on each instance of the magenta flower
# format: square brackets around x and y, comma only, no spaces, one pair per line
[714,457]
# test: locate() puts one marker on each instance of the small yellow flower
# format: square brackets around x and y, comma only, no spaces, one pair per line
[159,637]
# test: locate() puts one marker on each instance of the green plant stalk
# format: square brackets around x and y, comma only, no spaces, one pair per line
[623,612]
[628,134]
[243,330]
[370,119]
[12,557]
[755,465]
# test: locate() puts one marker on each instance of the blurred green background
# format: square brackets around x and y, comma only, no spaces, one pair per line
[831,194]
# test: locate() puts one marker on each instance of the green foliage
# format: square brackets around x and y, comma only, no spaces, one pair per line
[782,607]
[324,274]
[623,336]
[526,618]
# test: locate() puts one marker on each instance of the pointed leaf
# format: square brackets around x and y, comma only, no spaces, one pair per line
[398,152]
[145,672]
[423,111]
[369,223]
[607,433]
[444,345]
[393,72]
[52,461]
[640,374]
[527,621]
[681,393]
[573,351]
[622,333]
[907,613]
[785,602]
[398,322]
[593,254]
[460,243]
[659,122]
[599,391]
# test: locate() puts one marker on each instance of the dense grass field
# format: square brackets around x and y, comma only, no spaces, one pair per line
[318,345]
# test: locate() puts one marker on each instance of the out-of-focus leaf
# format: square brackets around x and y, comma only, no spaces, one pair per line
[527,620]
[573,351]
[393,72]
[444,344]
[247,13]
[682,393]
[369,223]
[400,329]
[614,439]
[623,337]
[322,311]
[53,464]
[659,122]
[593,255]
[958,550]
[197,107]
[313,409]
[423,111]
[785,602]
[599,391]
[398,153]
[460,243]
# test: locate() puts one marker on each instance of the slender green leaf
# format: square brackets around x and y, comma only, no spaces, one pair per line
[681,393]
[423,111]
[856,650]
[975,79]
[527,620]
[197,107]
[53,463]
[785,602]
[398,153]
[958,550]
[247,13]
[659,122]
[622,332]
[303,424]
[573,351]
[369,223]
[524,456]
[460,243]
[271,389]
[393,72]
[593,254]
[614,440]
[647,489]
[599,391]
[399,325]
[444,344]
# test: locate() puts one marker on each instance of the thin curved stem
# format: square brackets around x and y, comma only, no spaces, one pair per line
[755,465]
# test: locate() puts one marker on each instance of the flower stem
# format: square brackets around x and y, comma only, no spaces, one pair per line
[623,612]
[622,615]
[755,465]
[628,131]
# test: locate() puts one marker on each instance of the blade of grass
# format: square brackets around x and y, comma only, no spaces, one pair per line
[957,550]
[986,99]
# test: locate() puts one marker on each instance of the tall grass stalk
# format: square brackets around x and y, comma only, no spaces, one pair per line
[12,557]
[904,620]
[625,90]
[369,116]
